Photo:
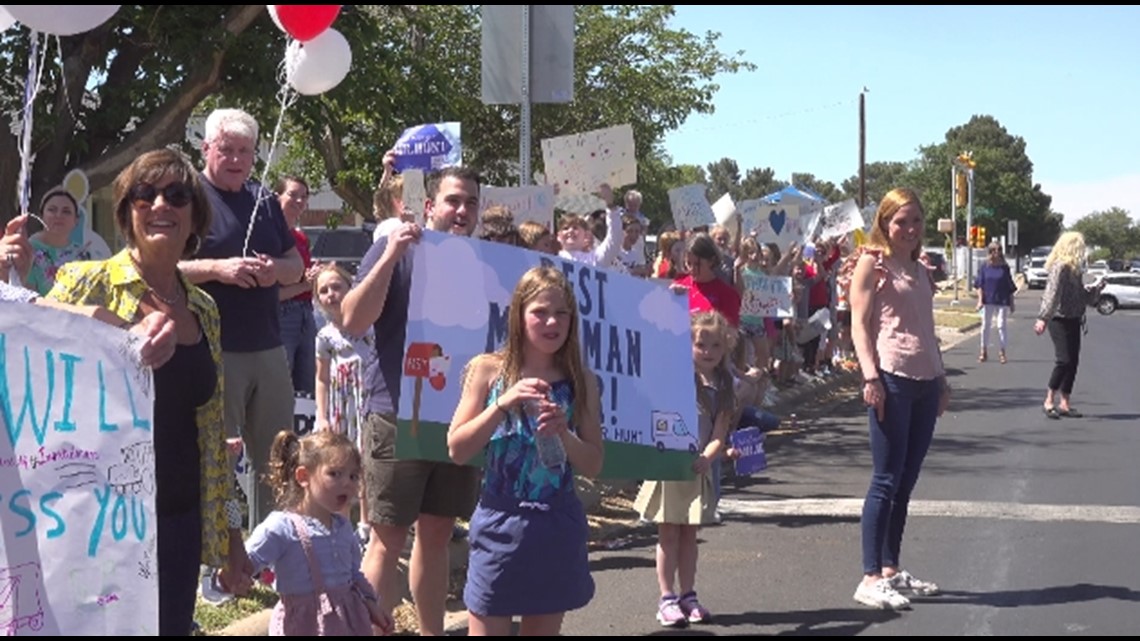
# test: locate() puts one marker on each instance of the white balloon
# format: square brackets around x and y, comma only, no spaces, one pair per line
[273,14]
[318,65]
[61,19]
[6,19]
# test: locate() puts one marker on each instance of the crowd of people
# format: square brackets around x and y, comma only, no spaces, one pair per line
[226,309]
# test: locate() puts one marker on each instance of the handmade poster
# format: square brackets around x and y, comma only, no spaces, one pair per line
[840,219]
[634,336]
[429,147]
[77,490]
[723,209]
[415,194]
[765,296]
[750,443]
[780,224]
[691,207]
[532,202]
[579,163]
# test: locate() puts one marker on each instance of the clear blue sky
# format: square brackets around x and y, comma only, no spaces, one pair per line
[1065,79]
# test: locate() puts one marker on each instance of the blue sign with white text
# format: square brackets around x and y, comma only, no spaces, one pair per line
[750,443]
[429,147]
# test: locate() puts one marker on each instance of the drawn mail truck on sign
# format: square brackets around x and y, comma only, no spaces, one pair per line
[671,433]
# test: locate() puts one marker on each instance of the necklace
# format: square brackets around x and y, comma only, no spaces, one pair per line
[171,302]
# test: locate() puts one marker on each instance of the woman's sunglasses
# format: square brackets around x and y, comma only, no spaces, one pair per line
[175,194]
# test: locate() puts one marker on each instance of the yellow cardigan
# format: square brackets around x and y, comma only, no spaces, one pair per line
[116,285]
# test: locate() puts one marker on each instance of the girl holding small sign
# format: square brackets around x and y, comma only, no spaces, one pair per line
[680,507]
[533,409]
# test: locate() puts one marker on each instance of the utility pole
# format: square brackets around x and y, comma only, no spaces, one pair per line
[962,194]
[862,149]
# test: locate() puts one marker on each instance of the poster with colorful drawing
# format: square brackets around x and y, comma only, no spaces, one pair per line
[531,202]
[765,296]
[634,336]
[780,224]
[690,206]
[77,486]
[579,163]
[840,219]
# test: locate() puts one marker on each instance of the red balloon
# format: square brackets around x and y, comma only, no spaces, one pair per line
[306,21]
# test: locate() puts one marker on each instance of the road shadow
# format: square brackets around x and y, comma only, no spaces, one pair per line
[621,562]
[1112,417]
[792,520]
[829,622]
[1057,595]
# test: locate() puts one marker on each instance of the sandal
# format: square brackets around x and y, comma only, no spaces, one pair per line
[1001,357]
[1051,412]
[1070,413]
[982,357]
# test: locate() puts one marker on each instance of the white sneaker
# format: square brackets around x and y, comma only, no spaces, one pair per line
[905,582]
[881,595]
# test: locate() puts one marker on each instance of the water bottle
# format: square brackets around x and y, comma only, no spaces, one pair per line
[551,453]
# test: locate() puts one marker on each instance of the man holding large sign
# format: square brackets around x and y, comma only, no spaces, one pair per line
[634,334]
[402,492]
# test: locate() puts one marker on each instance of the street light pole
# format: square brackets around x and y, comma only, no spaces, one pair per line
[954,238]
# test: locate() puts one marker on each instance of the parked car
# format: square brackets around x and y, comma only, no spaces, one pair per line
[345,245]
[936,263]
[1035,274]
[1120,290]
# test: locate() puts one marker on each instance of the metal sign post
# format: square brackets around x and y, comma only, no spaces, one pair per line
[527,59]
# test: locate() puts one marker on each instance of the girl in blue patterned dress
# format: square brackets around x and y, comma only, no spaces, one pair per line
[528,534]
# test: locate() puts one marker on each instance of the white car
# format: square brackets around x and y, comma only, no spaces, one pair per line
[1121,290]
[1035,274]
[1098,269]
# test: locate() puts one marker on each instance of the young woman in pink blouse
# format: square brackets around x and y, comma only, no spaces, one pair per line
[904,386]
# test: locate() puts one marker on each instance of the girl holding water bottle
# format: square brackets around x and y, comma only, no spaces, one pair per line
[532,408]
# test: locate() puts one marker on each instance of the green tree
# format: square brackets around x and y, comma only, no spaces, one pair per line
[758,183]
[824,188]
[881,178]
[1003,183]
[1112,230]
[724,178]
[125,87]
[148,69]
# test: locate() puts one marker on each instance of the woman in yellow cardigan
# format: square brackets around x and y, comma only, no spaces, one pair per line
[162,211]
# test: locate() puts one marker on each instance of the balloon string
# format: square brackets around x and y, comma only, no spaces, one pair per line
[32,84]
[286,97]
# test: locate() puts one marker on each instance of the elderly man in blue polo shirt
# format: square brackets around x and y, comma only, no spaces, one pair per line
[244,283]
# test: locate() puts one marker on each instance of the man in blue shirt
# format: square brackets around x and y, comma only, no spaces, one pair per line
[244,283]
[399,493]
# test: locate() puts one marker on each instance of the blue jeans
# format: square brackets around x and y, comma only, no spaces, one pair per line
[759,418]
[299,335]
[898,446]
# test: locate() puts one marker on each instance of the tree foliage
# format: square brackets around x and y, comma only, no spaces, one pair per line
[1113,230]
[131,85]
[881,177]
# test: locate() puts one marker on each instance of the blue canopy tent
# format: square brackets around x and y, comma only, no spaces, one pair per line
[793,195]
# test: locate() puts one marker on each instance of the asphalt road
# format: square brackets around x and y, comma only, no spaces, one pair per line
[1028,524]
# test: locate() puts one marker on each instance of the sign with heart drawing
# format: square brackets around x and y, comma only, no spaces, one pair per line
[780,224]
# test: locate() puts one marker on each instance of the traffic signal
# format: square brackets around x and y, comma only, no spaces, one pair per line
[979,237]
[971,236]
[961,190]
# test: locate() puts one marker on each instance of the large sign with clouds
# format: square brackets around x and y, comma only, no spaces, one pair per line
[635,340]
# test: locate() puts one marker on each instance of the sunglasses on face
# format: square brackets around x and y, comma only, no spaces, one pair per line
[175,194]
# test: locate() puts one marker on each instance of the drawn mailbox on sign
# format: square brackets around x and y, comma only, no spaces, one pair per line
[671,432]
[425,360]
[20,599]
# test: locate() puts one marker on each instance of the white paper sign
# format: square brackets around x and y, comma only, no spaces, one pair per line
[415,194]
[579,163]
[691,207]
[533,202]
[780,224]
[840,220]
[723,209]
[77,490]
[765,296]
